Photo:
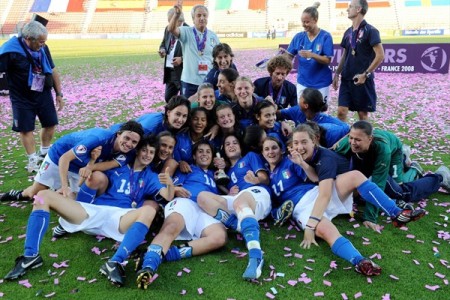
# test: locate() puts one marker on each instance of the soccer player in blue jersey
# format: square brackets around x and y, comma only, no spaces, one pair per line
[185,220]
[316,206]
[266,118]
[164,154]
[244,108]
[69,159]
[187,139]
[314,50]
[248,198]
[174,118]
[226,80]
[310,107]
[110,214]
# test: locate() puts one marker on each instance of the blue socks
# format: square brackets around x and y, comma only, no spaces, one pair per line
[178,252]
[36,228]
[132,239]
[343,248]
[250,231]
[86,194]
[370,192]
[153,257]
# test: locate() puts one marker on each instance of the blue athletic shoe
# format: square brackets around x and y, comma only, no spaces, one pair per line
[232,222]
[254,269]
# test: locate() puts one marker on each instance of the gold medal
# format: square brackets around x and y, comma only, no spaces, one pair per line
[353,52]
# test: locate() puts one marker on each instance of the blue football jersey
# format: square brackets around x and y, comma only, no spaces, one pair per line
[151,122]
[127,186]
[83,142]
[288,182]
[197,181]
[250,162]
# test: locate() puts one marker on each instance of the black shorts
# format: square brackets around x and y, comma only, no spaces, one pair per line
[24,118]
[358,97]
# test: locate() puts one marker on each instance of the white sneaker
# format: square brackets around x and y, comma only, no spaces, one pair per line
[445,173]
[33,164]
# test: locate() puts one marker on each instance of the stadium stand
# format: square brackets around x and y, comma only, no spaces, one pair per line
[149,16]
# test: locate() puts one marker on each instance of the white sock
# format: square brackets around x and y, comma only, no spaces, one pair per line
[44,150]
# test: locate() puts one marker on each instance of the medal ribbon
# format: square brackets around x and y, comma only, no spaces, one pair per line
[200,44]
[278,97]
[355,37]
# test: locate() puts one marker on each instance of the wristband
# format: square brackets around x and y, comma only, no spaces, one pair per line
[310,227]
[314,218]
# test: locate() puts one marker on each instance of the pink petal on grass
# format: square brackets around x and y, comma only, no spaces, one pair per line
[432,287]
[393,277]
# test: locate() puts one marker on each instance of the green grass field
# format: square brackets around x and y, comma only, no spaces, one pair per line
[411,259]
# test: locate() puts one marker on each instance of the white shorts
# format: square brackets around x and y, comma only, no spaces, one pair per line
[195,219]
[102,220]
[304,207]
[48,175]
[325,91]
[262,198]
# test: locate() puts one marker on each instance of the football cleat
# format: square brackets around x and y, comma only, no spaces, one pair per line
[407,215]
[114,271]
[254,269]
[14,195]
[58,232]
[368,268]
[284,212]
[23,264]
[144,277]
[403,205]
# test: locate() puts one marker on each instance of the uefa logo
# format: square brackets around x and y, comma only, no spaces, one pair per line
[433,59]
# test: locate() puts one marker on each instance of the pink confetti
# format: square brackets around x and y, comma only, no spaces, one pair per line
[344,296]
[319,294]
[393,277]
[200,291]
[180,273]
[327,283]
[183,292]
[333,264]
[356,225]
[432,287]
[416,261]
[439,275]
[292,282]
[93,280]
[369,280]
[50,295]
[287,249]
[386,297]
[56,281]
[357,295]
[54,255]
[431,265]
[270,295]
[186,270]
[297,255]
[410,236]
[406,251]
[79,278]
[350,233]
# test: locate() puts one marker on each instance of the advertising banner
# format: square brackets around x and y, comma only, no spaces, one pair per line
[404,58]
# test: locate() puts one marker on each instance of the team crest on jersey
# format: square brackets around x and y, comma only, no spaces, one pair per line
[318,47]
[81,149]
[141,183]
[241,164]
[286,174]
[121,157]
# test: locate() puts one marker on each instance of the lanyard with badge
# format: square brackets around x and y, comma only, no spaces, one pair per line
[202,64]
[35,60]
[279,100]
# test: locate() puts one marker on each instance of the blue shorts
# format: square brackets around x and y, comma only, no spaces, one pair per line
[188,89]
[358,97]
[24,118]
